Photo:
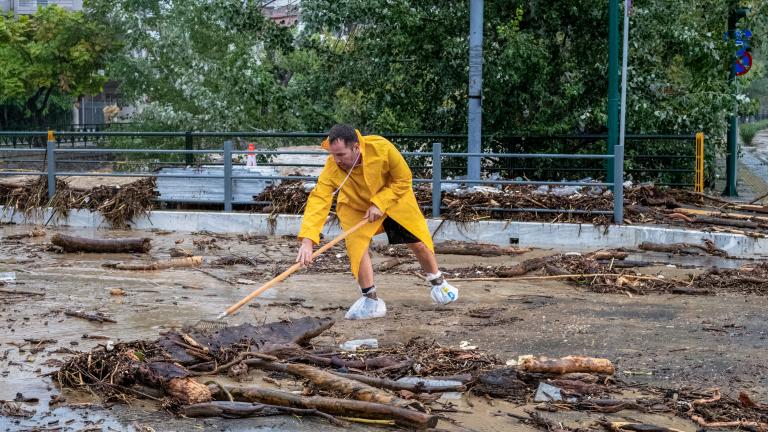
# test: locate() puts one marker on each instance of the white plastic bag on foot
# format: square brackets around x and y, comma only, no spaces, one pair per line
[366,308]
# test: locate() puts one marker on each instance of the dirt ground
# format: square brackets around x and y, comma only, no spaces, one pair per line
[670,341]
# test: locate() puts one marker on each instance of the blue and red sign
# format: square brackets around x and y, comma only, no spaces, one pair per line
[743,62]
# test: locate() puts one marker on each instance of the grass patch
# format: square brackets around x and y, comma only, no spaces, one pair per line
[749,130]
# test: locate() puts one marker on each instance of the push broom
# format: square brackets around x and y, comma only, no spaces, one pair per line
[282,276]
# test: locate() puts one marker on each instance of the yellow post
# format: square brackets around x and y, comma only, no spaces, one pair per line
[50,135]
[698,183]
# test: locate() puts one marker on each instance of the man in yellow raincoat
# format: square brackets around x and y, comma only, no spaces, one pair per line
[374,182]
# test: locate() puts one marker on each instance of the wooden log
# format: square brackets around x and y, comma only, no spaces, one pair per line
[227,409]
[177,252]
[750,207]
[158,265]
[122,245]
[344,407]
[568,364]
[98,317]
[619,426]
[348,387]
[684,248]
[736,424]
[478,249]
[727,215]
[608,255]
[390,264]
[419,387]
[525,267]
[36,232]
[738,223]
[172,378]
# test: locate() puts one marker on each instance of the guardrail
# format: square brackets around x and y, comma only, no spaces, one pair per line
[53,149]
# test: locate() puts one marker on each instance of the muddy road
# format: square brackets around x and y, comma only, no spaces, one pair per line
[663,340]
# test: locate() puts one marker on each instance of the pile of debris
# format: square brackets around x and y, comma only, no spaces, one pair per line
[609,272]
[119,205]
[342,386]
[399,385]
[643,204]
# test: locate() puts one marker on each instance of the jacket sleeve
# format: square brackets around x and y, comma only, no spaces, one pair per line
[401,181]
[318,205]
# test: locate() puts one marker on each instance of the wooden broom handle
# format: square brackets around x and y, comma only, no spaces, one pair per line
[282,276]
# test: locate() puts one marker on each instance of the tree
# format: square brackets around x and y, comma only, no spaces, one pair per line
[54,54]
[201,64]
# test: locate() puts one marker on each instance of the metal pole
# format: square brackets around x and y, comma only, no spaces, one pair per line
[227,176]
[475,112]
[618,151]
[50,156]
[618,188]
[613,81]
[437,175]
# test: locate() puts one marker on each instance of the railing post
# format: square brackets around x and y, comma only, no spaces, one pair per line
[189,157]
[698,183]
[437,175]
[228,176]
[50,156]
[618,184]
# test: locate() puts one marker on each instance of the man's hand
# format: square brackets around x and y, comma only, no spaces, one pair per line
[373,213]
[305,252]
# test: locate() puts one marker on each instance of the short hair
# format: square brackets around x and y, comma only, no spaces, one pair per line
[344,132]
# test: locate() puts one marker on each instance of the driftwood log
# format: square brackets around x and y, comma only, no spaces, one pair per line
[684,248]
[477,249]
[98,317]
[525,267]
[343,407]
[36,232]
[419,387]
[568,364]
[158,265]
[348,387]
[82,244]
[227,409]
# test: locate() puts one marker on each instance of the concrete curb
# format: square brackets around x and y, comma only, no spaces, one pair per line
[576,237]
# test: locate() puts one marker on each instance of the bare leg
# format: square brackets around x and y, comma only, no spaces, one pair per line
[425,257]
[365,272]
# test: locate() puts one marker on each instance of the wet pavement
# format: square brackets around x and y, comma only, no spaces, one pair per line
[664,340]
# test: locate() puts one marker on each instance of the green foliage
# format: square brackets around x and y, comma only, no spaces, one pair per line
[52,56]
[749,130]
[401,66]
[200,63]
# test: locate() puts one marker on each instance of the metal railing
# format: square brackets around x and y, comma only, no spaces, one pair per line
[436,176]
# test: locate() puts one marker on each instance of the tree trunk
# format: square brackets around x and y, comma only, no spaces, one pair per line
[81,244]
[568,364]
[344,407]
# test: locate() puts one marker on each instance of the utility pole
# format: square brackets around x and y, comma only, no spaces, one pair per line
[475,111]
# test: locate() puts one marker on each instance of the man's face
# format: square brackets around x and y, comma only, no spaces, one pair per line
[345,157]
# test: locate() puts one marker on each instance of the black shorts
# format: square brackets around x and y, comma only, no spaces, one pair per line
[397,234]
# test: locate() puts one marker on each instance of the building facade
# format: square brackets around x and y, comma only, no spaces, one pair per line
[27,7]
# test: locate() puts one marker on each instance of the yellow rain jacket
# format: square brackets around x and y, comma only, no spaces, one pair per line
[383,179]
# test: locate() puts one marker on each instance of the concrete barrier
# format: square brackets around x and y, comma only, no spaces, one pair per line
[576,237]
